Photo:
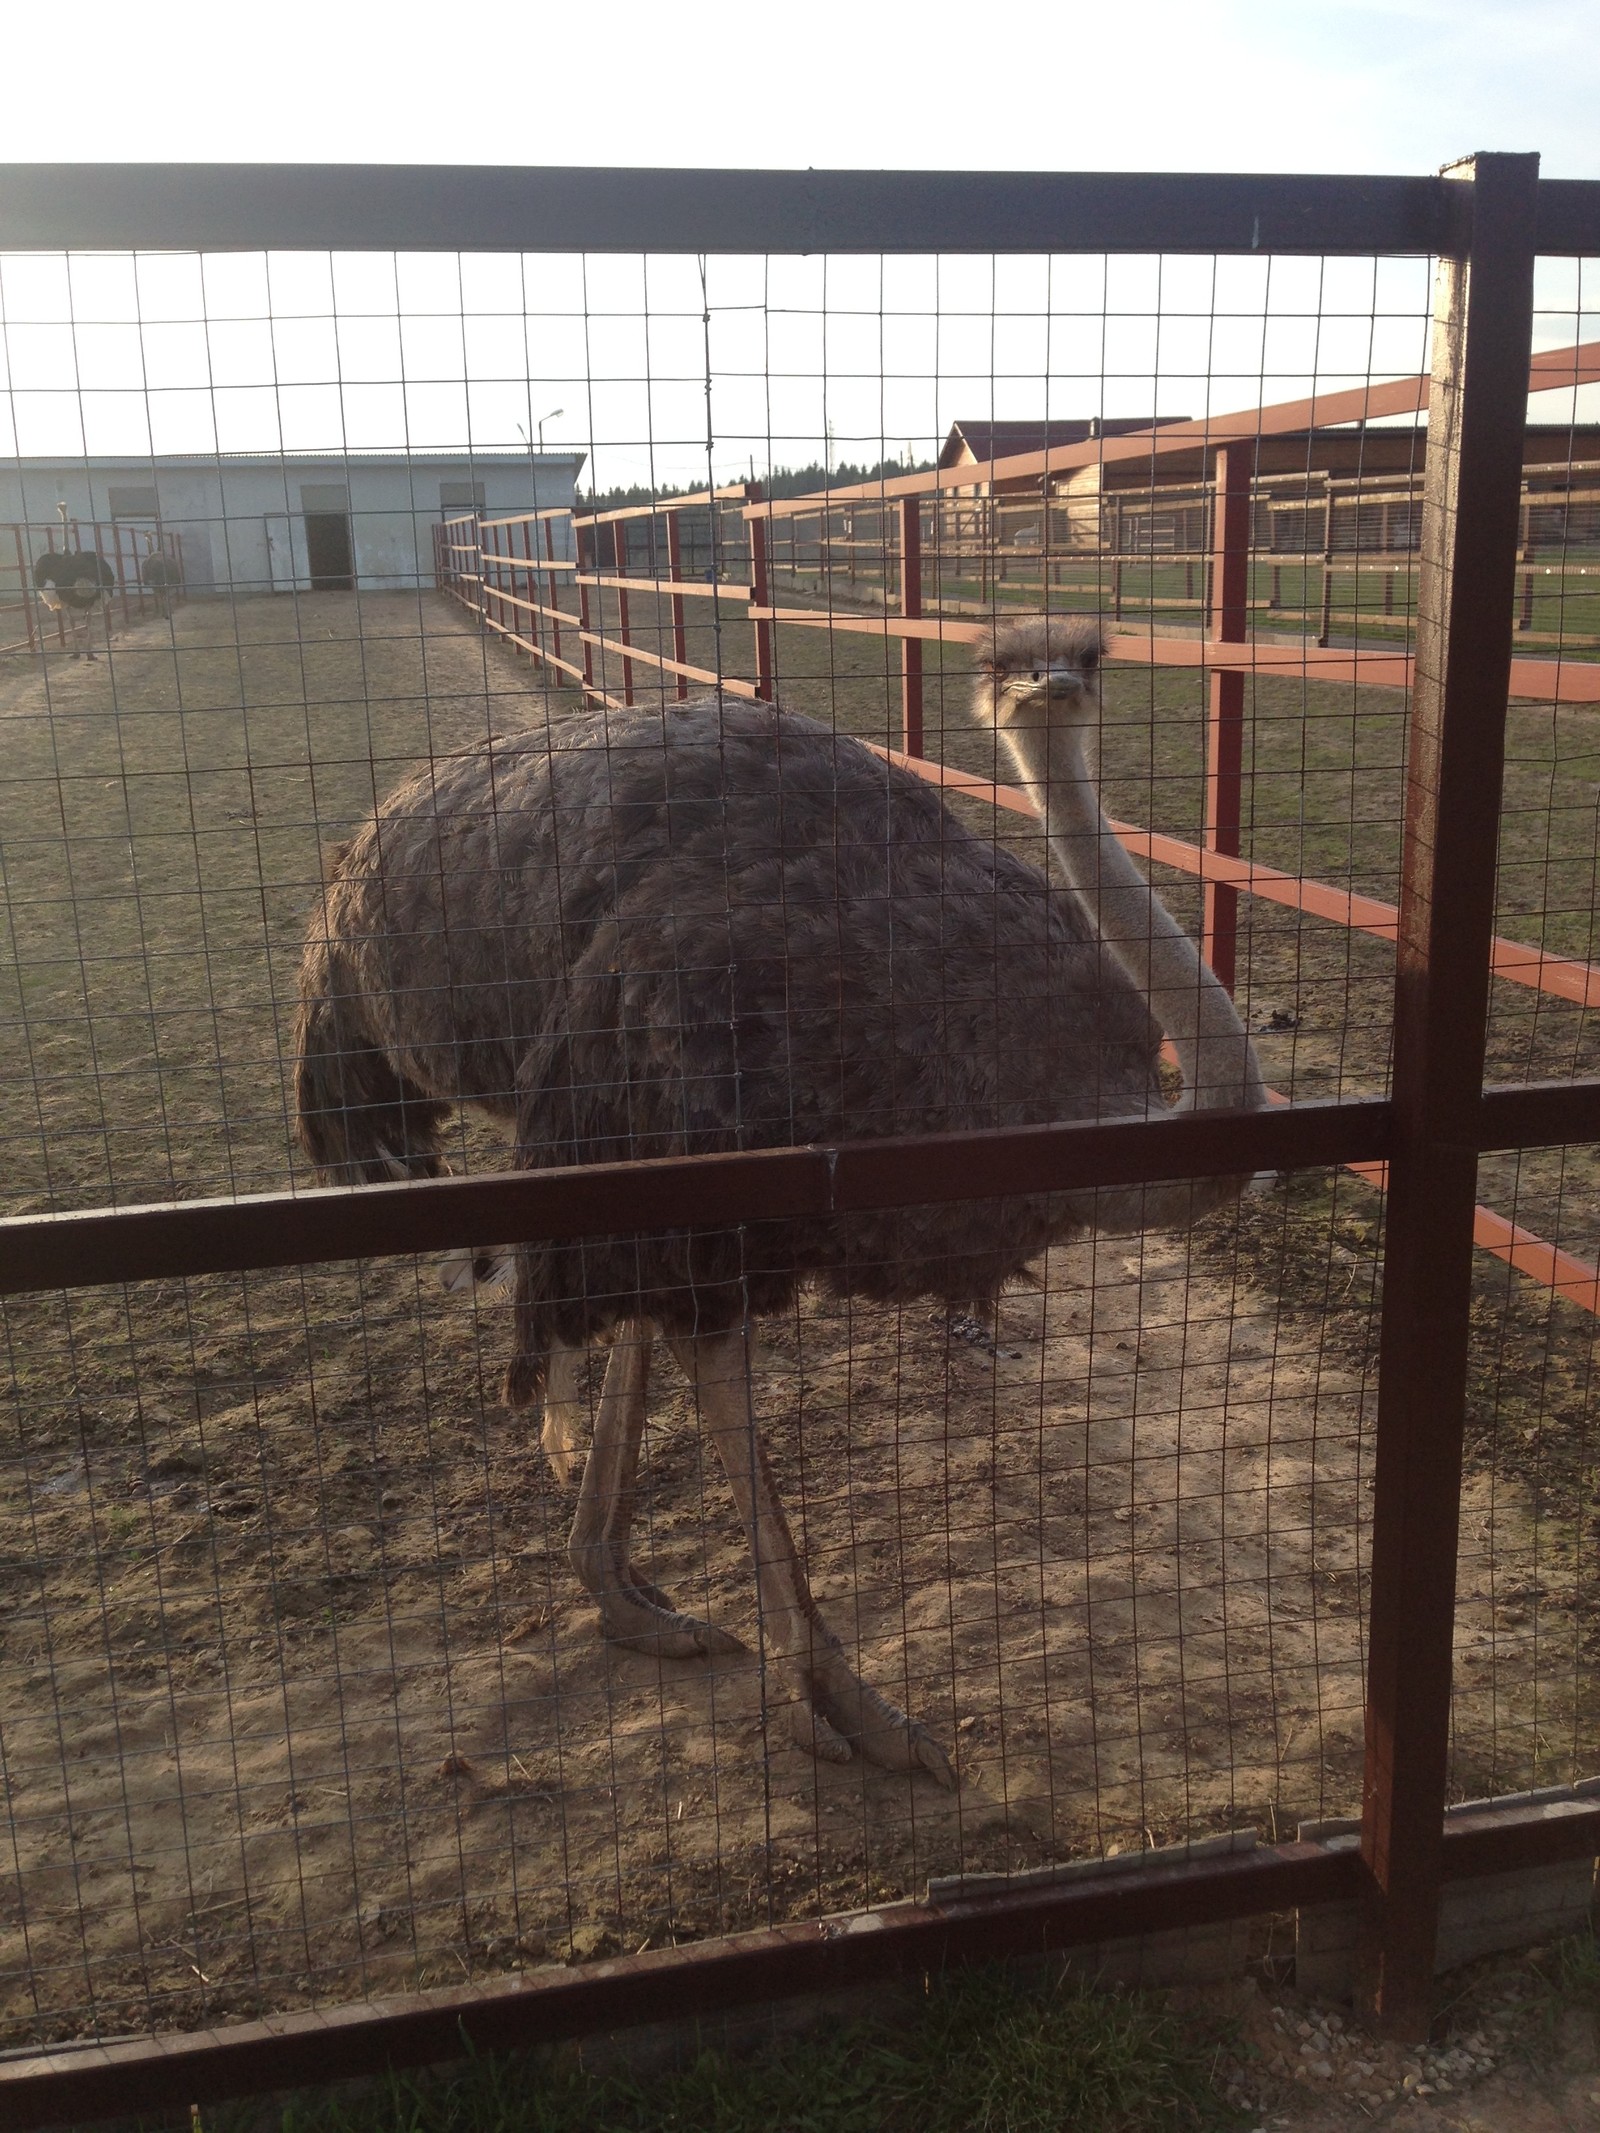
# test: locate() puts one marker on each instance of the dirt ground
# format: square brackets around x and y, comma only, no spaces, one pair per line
[300,1701]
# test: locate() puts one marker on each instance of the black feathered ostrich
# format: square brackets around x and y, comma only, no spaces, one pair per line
[723,926]
[73,583]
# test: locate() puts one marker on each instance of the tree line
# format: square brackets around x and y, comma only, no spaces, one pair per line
[778,482]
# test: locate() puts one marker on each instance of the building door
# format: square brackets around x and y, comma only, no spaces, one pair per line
[330,553]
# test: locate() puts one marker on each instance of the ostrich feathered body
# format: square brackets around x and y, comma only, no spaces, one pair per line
[718,927]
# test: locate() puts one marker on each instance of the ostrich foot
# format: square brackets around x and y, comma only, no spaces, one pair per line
[633,1612]
[835,1706]
[832,1711]
[640,1617]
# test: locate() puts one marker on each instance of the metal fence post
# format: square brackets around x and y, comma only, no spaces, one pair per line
[1477,409]
[680,635]
[623,626]
[1229,618]
[550,593]
[585,633]
[1325,620]
[911,739]
[30,613]
[532,623]
[760,593]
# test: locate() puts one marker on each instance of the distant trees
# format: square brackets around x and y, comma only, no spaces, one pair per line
[779,481]
[802,481]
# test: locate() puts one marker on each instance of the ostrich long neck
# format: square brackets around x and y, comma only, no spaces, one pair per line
[1219,1065]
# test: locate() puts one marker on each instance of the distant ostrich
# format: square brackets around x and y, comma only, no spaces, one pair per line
[73,584]
[725,926]
[162,576]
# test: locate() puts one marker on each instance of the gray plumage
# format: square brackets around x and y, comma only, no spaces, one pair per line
[724,927]
[721,927]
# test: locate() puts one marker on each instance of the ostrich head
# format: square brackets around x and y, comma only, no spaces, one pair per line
[1041,669]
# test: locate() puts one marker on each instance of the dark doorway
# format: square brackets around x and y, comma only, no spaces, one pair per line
[328,552]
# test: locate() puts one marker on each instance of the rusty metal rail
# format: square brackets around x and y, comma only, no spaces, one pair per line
[706,1978]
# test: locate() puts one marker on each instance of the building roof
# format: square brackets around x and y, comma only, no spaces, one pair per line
[981,441]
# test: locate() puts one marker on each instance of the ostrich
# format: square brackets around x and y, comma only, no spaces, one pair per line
[161,575]
[73,584]
[725,926]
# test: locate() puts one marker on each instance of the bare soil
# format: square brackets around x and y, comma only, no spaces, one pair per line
[298,1699]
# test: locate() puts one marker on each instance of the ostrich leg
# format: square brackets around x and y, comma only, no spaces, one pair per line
[632,1610]
[832,1709]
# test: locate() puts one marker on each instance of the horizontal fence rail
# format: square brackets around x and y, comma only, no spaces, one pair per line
[182,1238]
[222,207]
[688,1984]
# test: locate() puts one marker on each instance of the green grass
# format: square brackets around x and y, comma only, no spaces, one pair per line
[1369,599]
[986,2056]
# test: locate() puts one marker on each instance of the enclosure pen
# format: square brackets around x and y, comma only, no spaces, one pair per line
[509,987]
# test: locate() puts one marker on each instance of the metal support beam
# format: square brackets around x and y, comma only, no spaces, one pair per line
[911,654]
[756,530]
[680,634]
[488,208]
[1230,618]
[1477,407]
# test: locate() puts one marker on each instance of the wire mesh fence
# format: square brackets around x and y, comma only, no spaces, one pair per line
[314,1691]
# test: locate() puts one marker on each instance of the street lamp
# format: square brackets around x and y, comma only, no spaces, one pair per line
[533,464]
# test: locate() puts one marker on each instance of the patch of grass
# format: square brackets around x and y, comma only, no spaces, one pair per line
[986,2056]
[1545,2003]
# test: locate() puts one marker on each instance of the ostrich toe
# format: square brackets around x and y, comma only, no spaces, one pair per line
[813,1733]
[640,1616]
[878,1730]
[633,1612]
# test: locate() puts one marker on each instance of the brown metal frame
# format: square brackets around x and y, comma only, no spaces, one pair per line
[1487,220]
[1230,624]
[1483,330]
[739,1969]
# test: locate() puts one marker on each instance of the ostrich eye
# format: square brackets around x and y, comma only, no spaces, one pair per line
[1036,674]
[1090,661]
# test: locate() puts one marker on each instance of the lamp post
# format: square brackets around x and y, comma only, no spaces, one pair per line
[533,464]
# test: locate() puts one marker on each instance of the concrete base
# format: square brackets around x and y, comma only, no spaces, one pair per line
[1480,1916]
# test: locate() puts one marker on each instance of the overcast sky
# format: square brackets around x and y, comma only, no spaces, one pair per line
[378,353]
[1071,84]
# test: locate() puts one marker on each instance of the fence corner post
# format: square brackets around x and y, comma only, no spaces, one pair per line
[1477,411]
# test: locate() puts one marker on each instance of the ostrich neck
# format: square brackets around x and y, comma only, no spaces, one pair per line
[1220,1071]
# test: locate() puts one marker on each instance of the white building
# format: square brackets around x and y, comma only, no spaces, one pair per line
[291,522]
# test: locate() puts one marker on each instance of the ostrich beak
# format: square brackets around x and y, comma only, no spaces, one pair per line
[1066,680]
